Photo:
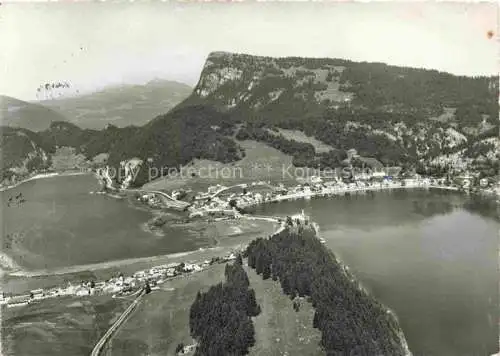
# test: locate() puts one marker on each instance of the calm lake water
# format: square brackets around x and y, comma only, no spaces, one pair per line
[428,256]
[62,224]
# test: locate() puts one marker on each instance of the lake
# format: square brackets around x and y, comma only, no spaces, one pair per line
[427,255]
[62,224]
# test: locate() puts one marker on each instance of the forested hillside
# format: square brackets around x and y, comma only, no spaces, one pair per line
[351,321]
[401,116]
[414,118]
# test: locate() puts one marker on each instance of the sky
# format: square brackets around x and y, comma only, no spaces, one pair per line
[93,45]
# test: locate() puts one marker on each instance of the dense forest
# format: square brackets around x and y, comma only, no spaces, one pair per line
[174,139]
[220,319]
[399,116]
[167,142]
[376,86]
[351,321]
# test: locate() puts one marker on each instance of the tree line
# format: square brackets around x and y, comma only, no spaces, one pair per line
[351,321]
[220,319]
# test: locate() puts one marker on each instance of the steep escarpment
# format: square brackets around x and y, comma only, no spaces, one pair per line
[230,80]
[401,116]
[395,116]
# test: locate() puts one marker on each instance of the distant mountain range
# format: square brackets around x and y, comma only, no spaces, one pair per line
[32,116]
[120,106]
[414,118]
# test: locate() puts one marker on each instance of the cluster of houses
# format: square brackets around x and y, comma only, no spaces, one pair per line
[230,202]
[120,285]
[227,201]
[151,199]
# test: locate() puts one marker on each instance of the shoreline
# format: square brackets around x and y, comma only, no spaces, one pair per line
[18,271]
[104,265]
[42,176]
[342,191]
[9,267]
[361,287]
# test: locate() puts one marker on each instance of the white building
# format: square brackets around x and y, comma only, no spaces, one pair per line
[37,293]
[316,179]
[379,174]
[19,301]
[170,272]
[82,291]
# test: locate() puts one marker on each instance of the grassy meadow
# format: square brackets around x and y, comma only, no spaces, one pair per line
[261,162]
[279,329]
[161,322]
[59,326]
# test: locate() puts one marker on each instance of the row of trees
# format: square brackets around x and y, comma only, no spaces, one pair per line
[302,152]
[167,142]
[220,319]
[351,321]
[425,91]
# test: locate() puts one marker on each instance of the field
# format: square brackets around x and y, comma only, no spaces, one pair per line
[161,322]
[261,162]
[279,329]
[58,327]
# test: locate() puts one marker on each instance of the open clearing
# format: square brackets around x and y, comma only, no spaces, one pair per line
[279,330]
[161,322]
[261,162]
[59,326]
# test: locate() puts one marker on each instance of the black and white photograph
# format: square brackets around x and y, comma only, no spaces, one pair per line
[261,178]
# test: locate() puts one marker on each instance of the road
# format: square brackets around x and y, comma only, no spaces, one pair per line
[170,200]
[241,185]
[102,342]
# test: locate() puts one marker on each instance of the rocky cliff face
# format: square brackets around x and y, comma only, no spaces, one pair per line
[21,155]
[232,80]
[420,113]
[400,116]
[131,168]
[105,176]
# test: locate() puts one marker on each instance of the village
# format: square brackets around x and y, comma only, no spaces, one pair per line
[118,286]
[231,202]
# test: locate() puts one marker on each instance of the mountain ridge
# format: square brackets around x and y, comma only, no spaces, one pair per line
[399,116]
[121,105]
[33,116]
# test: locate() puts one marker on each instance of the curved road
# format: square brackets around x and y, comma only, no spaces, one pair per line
[178,203]
[102,342]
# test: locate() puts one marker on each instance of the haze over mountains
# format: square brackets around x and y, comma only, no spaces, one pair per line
[120,106]
[396,115]
[32,116]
